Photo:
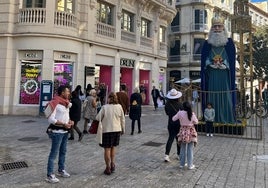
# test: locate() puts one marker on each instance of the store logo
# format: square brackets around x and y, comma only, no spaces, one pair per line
[65,56]
[127,62]
[31,55]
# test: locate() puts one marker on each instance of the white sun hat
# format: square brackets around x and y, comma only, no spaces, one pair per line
[174,94]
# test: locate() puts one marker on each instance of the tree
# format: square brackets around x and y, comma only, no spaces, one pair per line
[260,53]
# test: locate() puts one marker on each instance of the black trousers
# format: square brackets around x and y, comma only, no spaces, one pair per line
[133,125]
[75,127]
[209,127]
[173,130]
[155,102]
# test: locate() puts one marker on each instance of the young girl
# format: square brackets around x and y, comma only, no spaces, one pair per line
[209,115]
[187,135]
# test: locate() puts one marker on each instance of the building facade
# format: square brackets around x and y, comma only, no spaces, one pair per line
[77,42]
[190,29]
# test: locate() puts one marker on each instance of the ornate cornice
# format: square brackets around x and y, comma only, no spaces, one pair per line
[92,4]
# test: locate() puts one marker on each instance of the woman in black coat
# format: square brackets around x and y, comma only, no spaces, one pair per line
[135,110]
[173,105]
[75,115]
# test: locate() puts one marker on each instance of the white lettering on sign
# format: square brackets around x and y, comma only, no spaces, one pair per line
[127,62]
[31,55]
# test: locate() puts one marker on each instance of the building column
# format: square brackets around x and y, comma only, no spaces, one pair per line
[117,74]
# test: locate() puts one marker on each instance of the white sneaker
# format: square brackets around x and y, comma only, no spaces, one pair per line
[207,134]
[52,179]
[211,135]
[182,167]
[191,167]
[64,174]
[167,158]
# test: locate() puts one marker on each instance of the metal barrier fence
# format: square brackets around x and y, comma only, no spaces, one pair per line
[248,119]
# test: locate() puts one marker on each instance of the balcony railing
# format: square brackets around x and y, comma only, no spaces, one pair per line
[128,36]
[106,30]
[32,15]
[65,19]
[145,41]
[174,58]
[175,29]
[166,2]
[196,57]
[200,27]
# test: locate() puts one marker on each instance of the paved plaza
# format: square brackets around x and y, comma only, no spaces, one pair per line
[220,161]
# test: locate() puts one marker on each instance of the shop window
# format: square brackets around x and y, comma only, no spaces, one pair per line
[63,75]
[145,27]
[66,6]
[30,83]
[127,21]
[105,13]
[34,3]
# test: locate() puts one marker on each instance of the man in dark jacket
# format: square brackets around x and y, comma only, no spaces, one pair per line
[155,95]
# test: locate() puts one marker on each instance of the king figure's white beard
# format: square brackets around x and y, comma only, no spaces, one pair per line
[217,39]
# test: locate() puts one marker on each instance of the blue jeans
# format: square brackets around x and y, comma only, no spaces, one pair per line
[189,154]
[59,144]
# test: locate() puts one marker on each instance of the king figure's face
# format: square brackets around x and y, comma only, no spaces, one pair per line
[217,35]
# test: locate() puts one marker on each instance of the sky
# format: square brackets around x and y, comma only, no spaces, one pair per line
[257,1]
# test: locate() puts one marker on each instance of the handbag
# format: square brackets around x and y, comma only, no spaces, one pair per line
[93,129]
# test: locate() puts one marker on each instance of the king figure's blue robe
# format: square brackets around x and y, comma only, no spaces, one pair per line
[218,85]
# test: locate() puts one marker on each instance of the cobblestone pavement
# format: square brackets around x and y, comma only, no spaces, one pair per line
[220,161]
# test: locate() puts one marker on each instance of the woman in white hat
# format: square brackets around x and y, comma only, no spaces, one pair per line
[173,105]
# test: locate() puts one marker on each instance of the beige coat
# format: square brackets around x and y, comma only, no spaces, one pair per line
[111,118]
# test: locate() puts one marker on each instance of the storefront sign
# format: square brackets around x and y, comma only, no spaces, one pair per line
[30,55]
[127,62]
[194,74]
[65,56]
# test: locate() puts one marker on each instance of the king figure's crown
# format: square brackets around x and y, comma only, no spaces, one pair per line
[217,20]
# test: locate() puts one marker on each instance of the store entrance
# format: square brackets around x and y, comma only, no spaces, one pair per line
[126,79]
[144,86]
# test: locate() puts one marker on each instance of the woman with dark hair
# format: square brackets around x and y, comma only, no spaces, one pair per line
[111,125]
[88,89]
[80,94]
[75,115]
[187,136]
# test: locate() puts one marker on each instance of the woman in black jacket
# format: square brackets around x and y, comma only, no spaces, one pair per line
[75,115]
[135,110]
[173,105]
